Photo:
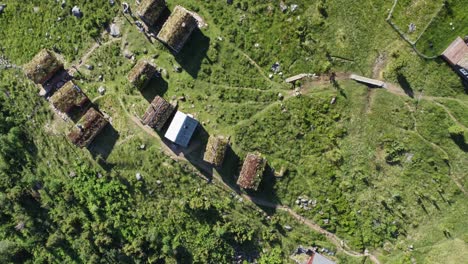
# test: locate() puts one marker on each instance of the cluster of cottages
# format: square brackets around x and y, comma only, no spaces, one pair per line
[46,70]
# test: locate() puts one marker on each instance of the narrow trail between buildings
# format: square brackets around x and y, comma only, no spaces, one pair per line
[198,165]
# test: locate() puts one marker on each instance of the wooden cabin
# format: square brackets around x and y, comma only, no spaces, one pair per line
[70,99]
[177,29]
[158,113]
[216,150]
[42,67]
[141,74]
[87,128]
[150,11]
[252,171]
[456,55]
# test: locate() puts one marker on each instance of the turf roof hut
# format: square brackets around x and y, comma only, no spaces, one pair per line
[141,74]
[150,10]
[158,113]
[177,29]
[42,67]
[70,99]
[89,126]
[252,172]
[215,150]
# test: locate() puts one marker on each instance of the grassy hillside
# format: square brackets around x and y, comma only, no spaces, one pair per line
[383,170]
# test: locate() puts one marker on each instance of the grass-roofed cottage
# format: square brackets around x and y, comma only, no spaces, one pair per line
[70,99]
[42,67]
[141,74]
[252,171]
[177,29]
[150,10]
[215,150]
[158,113]
[89,126]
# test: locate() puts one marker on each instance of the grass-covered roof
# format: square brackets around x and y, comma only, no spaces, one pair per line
[87,128]
[252,171]
[215,150]
[158,113]
[42,67]
[177,29]
[150,10]
[69,97]
[141,73]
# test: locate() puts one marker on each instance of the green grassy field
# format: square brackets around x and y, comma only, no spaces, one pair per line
[381,166]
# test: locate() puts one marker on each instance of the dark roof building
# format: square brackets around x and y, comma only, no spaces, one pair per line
[181,129]
[42,67]
[215,150]
[89,126]
[252,171]
[150,10]
[70,99]
[141,74]
[158,113]
[177,29]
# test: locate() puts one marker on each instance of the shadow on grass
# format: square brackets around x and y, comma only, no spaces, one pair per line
[405,85]
[157,86]
[193,53]
[103,144]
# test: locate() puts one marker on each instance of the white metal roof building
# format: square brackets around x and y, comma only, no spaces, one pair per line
[181,129]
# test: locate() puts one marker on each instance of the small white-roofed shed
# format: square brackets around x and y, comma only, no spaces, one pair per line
[181,129]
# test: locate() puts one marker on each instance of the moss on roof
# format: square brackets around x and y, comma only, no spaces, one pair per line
[89,126]
[252,171]
[177,29]
[42,67]
[150,10]
[158,113]
[215,150]
[68,97]
[141,73]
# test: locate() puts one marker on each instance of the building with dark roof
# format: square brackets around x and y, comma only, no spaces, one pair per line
[70,99]
[177,29]
[158,113]
[87,128]
[252,171]
[149,11]
[42,67]
[141,74]
[216,150]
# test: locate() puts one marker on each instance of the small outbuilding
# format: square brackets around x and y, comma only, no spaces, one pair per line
[457,56]
[141,74]
[177,29]
[158,113]
[149,11]
[309,256]
[216,150]
[181,129]
[70,99]
[87,128]
[252,171]
[42,67]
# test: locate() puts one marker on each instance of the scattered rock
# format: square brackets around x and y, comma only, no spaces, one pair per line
[275,67]
[280,96]
[128,54]
[142,146]
[63,4]
[270,76]
[101,90]
[283,7]
[256,45]
[99,175]
[138,176]
[411,247]
[326,221]
[76,12]
[112,2]
[288,227]
[294,7]
[411,28]
[90,67]
[72,174]
[333,100]
[177,68]
[229,2]
[2,7]
[298,202]
[101,78]
[158,182]
[20,226]
[182,98]
[125,7]
[35,9]
[114,30]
